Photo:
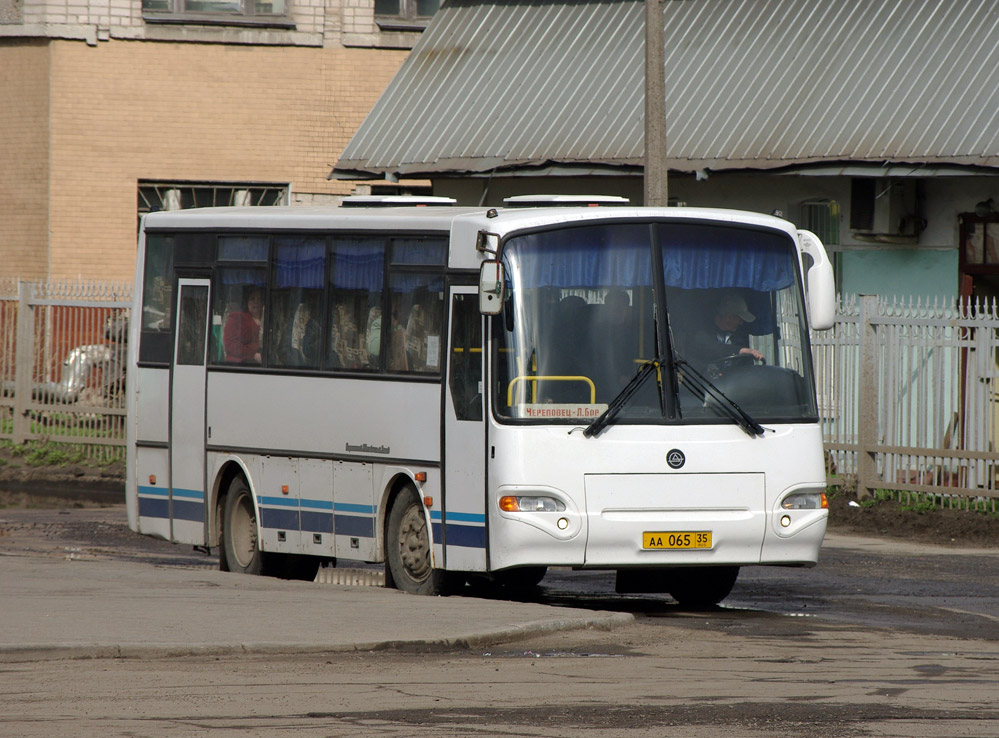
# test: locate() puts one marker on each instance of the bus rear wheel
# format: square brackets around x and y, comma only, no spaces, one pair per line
[240,531]
[407,543]
[702,586]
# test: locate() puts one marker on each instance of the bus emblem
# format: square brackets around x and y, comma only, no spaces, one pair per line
[675,458]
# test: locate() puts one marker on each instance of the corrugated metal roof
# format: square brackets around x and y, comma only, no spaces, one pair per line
[749,84]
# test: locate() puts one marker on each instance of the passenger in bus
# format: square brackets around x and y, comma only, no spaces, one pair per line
[614,344]
[346,353]
[398,360]
[373,336]
[304,337]
[241,334]
[722,336]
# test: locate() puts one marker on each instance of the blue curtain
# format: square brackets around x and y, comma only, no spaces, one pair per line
[300,262]
[585,257]
[419,251]
[358,265]
[696,256]
[713,257]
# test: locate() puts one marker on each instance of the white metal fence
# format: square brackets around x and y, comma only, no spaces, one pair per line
[908,392]
[62,363]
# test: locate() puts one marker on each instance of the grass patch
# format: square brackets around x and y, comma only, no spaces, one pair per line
[53,455]
[881,495]
[38,454]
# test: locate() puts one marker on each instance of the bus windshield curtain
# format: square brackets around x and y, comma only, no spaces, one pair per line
[713,257]
[696,256]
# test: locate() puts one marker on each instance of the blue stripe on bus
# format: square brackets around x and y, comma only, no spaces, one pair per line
[277,501]
[279,519]
[318,504]
[313,522]
[188,504]
[154,507]
[460,517]
[352,525]
[193,494]
[466,536]
[350,507]
[185,510]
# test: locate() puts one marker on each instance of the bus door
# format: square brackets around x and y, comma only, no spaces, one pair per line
[462,520]
[187,414]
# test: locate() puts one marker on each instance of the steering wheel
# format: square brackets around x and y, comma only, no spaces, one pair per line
[734,361]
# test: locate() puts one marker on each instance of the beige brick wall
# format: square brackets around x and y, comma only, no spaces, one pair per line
[24,106]
[127,110]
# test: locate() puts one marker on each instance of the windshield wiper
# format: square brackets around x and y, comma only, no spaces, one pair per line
[621,399]
[704,388]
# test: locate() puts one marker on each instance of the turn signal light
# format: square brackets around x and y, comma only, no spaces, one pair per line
[530,504]
[509,504]
[806,501]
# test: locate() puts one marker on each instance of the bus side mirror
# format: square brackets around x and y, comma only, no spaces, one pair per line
[491,279]
[820,285]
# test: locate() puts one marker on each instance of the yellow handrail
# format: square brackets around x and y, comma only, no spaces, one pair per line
[555,378]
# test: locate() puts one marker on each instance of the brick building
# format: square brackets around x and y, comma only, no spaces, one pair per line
[110,108]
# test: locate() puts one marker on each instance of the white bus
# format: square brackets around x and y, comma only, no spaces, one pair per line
[467,393]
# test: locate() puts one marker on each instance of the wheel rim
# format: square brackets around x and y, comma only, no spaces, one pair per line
[243,531]
[414,544]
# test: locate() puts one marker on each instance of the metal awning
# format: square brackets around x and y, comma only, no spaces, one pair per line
[497,86]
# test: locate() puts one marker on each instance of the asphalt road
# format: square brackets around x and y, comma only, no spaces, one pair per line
[878,640]
[859,582]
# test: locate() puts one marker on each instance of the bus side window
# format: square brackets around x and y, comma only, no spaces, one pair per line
[296,297]
[417,317]
[356,278]
[465,379]
[156,339]
[240,305]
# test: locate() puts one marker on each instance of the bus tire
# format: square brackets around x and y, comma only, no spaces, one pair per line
[700,587]
[407,548]
[521,579]
[295,566]
[240,532]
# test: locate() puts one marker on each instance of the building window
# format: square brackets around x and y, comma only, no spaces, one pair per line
[822,217]
[237,12]
[156,196]
[405,14]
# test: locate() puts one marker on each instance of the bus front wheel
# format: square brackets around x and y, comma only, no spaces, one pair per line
[407,543]
[240,531]
[700,587]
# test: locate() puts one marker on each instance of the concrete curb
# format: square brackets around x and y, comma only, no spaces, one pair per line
[65,651]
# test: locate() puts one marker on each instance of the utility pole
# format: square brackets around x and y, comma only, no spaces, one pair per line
[656,187]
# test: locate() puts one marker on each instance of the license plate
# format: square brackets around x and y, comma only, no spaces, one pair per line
[676,539]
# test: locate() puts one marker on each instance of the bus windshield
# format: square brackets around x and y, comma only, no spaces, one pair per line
[585,310]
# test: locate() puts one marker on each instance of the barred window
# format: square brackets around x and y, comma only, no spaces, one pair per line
[264,12]
[405,14]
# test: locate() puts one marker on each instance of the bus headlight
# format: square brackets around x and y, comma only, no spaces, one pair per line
[813,500]
[512,503]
